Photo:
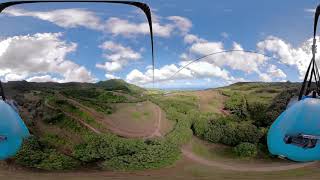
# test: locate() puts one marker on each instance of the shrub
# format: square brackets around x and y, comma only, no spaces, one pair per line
[230,132]
[200,127]
[215,131]
[237,104]
[35,155]
[229,136]
[94,148]
[57,117]
[157,154]
[119,153]
[57,161]
[245,150]
[30,153]
[258,113]
[247,132]
[278,105]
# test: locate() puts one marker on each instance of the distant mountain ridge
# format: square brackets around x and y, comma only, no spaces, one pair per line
[110,85]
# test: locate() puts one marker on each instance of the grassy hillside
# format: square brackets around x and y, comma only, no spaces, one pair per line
[120,85]
[67,122]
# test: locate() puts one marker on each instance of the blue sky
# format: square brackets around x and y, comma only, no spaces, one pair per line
[88,42]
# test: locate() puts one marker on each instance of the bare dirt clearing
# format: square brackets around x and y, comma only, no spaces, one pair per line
[132,120]
[136,119]
[211,101]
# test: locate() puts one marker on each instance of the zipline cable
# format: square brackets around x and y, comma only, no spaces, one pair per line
[216,53]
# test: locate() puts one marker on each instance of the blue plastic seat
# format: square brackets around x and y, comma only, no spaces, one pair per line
[303,117]
[12,131]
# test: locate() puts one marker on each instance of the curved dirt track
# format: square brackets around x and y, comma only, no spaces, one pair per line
[82,122]
[114,128]
[186,151]
[242,168]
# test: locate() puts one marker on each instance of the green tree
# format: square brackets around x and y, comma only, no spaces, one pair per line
[245,150]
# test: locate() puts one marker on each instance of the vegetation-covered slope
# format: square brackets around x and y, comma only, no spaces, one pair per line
[68,134]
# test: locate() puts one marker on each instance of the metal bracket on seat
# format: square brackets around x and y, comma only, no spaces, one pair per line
[302,140]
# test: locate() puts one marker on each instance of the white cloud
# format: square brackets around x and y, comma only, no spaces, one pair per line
[204,48]
[14,77]
[309,10]
[242,61]
[45,78]
[111,76]
[117,56]
[119,26]
[181,23]
[194,71]
[73,17]
[272,73]
[162,74]
[191,38]
[67,18]
[287,54]
[203,69]
[137,77]
[25,56]
[275,72]
[265,77]
[225,35]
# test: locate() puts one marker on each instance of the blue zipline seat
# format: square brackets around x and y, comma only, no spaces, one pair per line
[12,131]
[303,117]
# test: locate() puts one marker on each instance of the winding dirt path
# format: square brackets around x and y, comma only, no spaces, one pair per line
[82,122]
[186,150]
[114,127]
[262,167]
[156,132]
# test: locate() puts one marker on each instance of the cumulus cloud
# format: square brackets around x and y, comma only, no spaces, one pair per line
[44,78]
[276,72]
[212,66]
[204,69]
[118,26]
[265,77]
[117,56]
[287,54]
[191,38]
[67,18]
[26,56]
[181,23]
[309,10]
[162,74]
[272,73]
[246,62]
[225,35]
[75,17]
[195,71]
[111,76]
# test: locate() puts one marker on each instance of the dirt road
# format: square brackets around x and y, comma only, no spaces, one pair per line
[115,128]
[82,122]
[187,152]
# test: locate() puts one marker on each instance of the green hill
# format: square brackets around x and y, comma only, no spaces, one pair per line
[66,136]
[120,85]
